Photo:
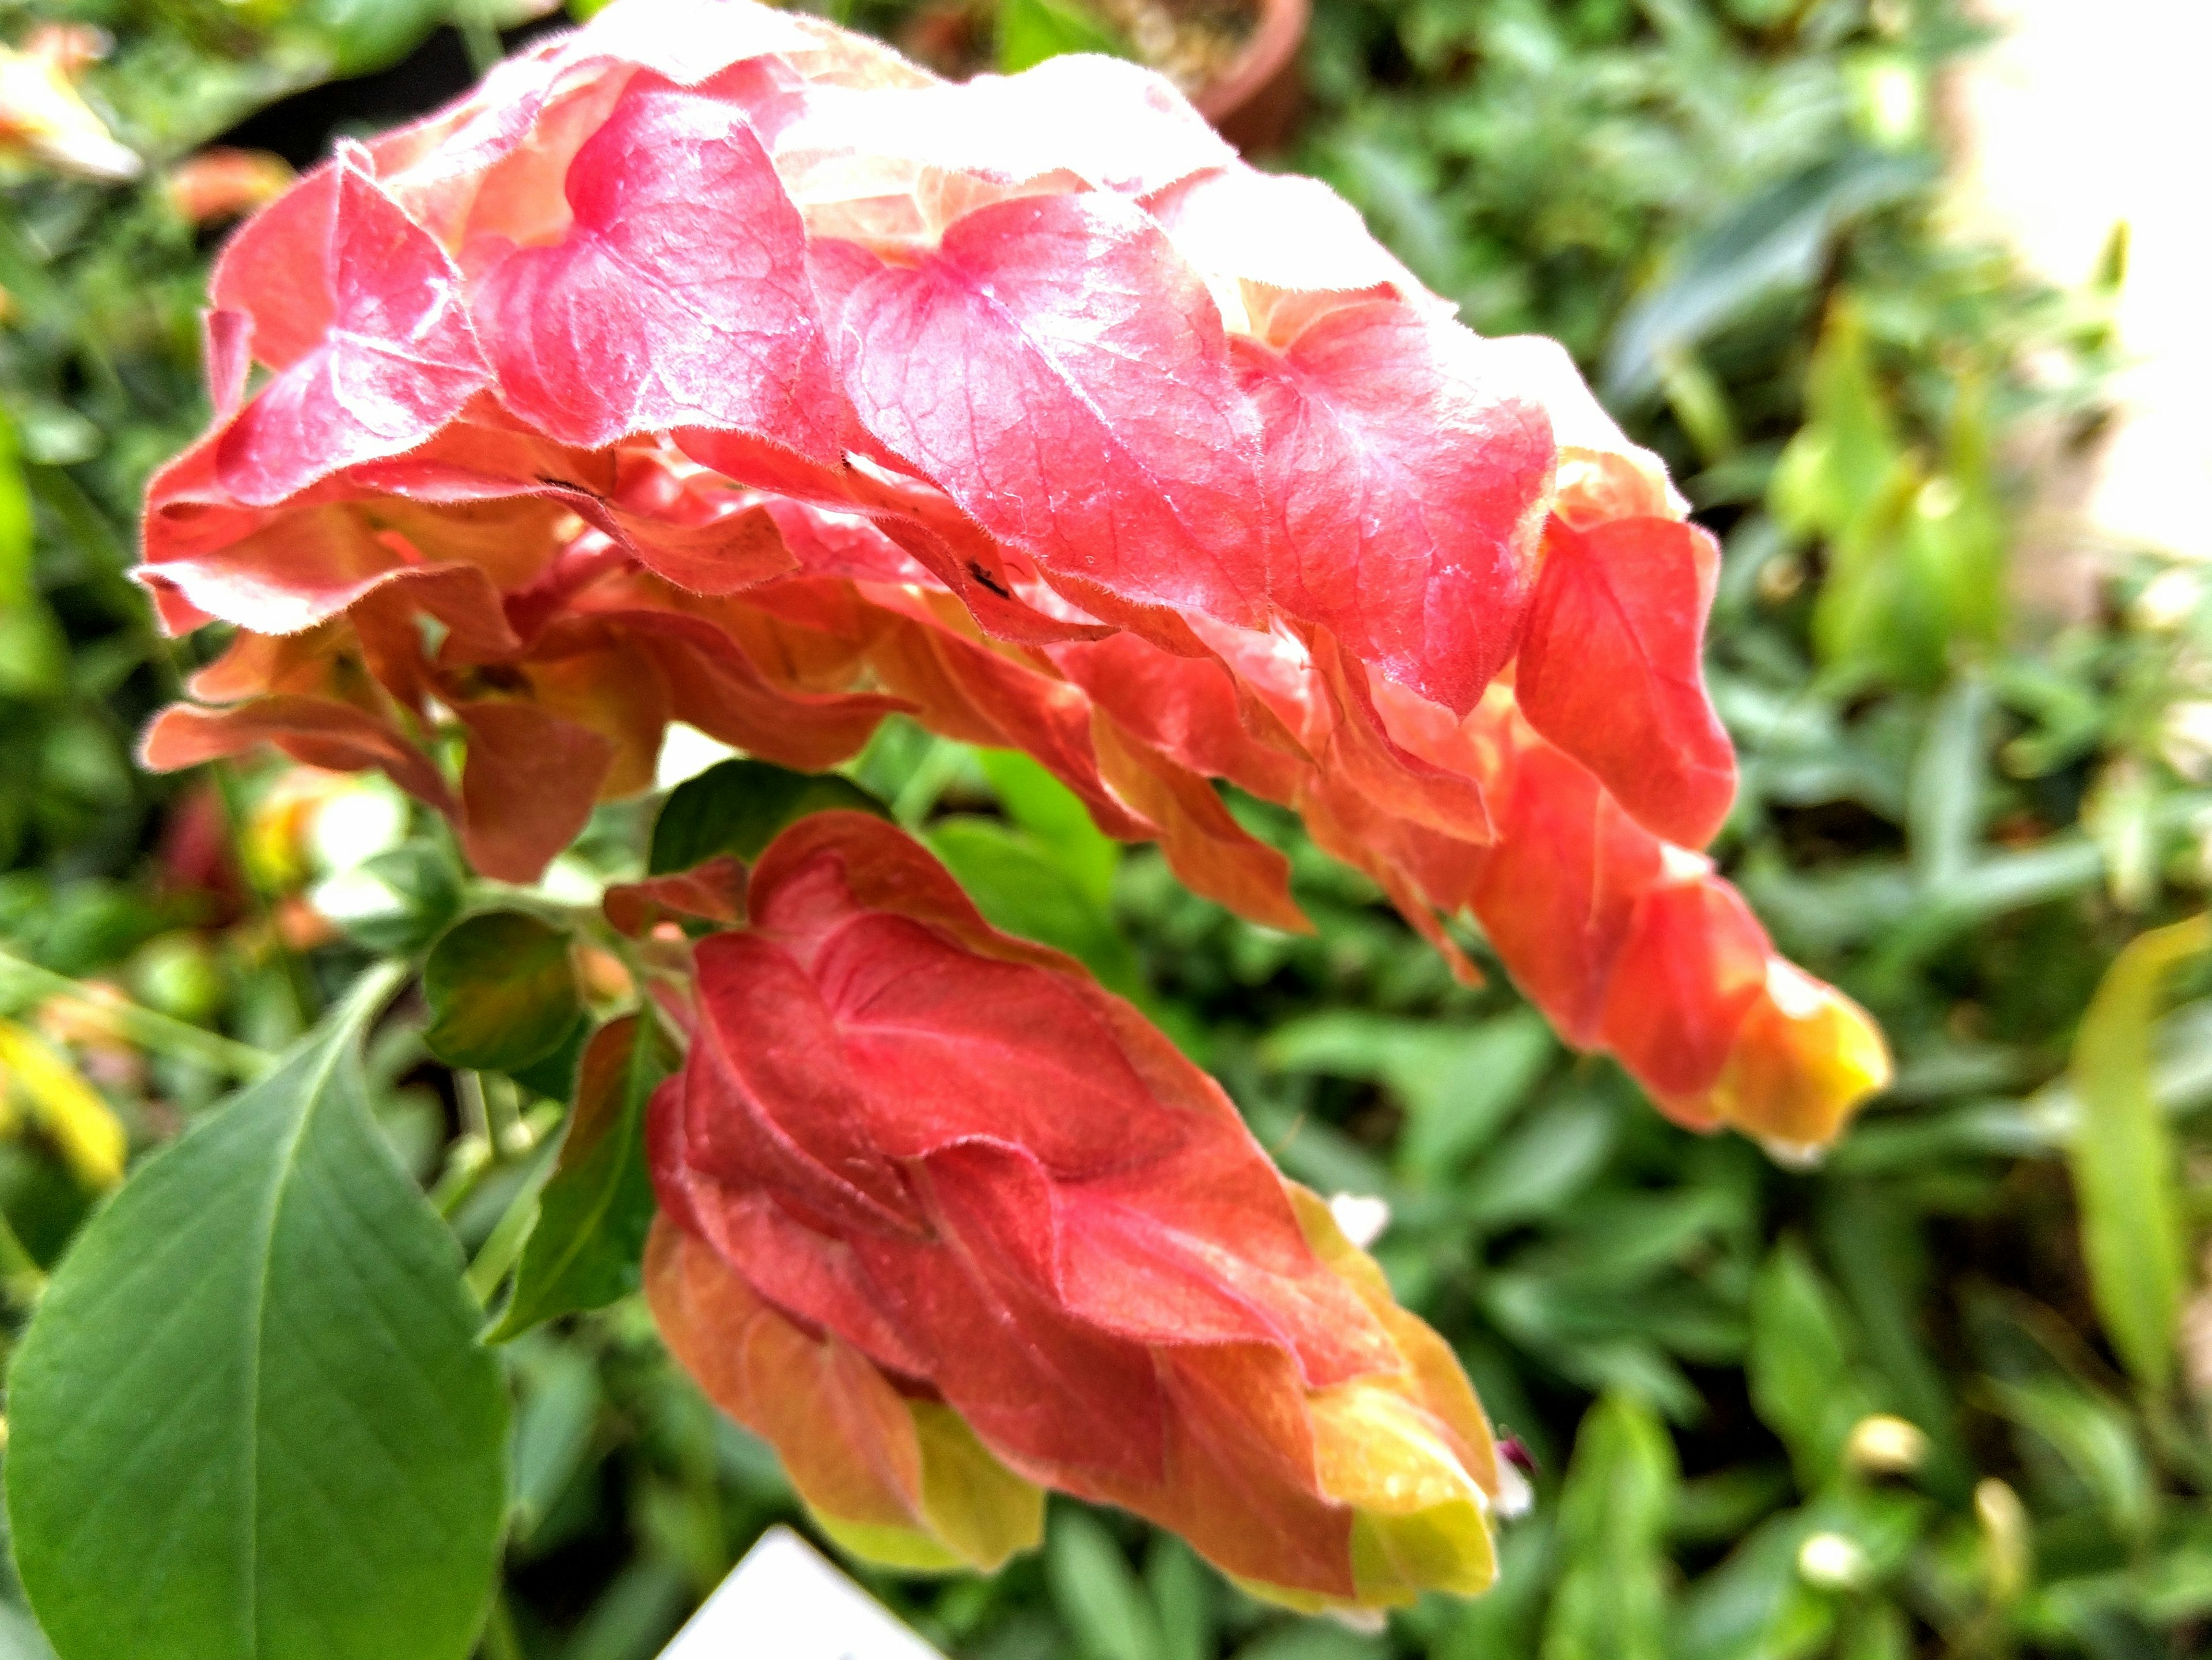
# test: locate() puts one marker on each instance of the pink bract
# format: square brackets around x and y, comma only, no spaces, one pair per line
[711,364]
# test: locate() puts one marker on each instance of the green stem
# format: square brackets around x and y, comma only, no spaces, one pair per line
[502,1247]
[142,1026]
[466,1166]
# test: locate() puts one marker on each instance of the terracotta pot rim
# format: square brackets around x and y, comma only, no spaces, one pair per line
[1274,44]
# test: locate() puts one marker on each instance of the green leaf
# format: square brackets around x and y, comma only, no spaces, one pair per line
[1056,818]
[2123,1156]
[1944,809]
[1545,1163]
[1182,1598]
[1099,1600]
[2095,1440]
[553,1075]
[553,1423]
[394,901]
[1771,241]
[33,656]
[1031,31]
[737,807]
[1019,887]
[502,992]
[1798,1364]
[251,1417]
[592,1216]
[1459,1082]
[1613,1598]
[363,36]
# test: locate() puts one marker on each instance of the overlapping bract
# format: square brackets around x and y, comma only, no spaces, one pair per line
[941,1171]
[711,364]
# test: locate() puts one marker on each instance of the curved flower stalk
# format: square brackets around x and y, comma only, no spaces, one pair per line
[712,364]
[1010,1229]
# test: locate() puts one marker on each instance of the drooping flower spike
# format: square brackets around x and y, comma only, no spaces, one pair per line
[941,1171]
[711,364]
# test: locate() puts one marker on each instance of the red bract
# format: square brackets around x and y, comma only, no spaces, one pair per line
[360,314]
[711,364]
[989,1182]
[678,296]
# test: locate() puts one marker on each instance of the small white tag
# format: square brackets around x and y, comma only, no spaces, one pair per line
[783,1602]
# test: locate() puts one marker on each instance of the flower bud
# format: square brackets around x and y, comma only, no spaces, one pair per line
[1882,1443]
[222,183]
[43,120]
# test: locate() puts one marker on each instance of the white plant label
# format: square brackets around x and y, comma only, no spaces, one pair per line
[784,1601]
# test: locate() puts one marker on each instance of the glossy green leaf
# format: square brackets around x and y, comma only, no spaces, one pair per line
[251,1418]
[737,807]
[1099,1600]
[502,991]
[2122,1155]
[585,1250]
[1612,1602]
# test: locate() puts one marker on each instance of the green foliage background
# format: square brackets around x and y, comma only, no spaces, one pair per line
[1729,211]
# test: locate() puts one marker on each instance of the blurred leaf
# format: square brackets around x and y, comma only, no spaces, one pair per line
[251,1416]
[1798,1365]
[34,656]
[1021,887]
[2094,1438]
[559,1405]
[1612,1602]
[593,1214]
[636,1614]
[363,36]
[1031,31]
[502,992]
[1313,1639]
[1182,1598]
[1098,1598]
[1540,1166]
[1506,1619]
[1944,810]
[1459,1082]
[1055,816]
[738,807]
[1773,239]
[395,902]
[2122,1155]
